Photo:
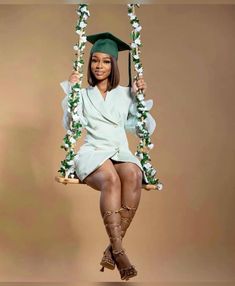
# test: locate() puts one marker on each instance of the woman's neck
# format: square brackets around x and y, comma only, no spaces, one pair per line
[102,86]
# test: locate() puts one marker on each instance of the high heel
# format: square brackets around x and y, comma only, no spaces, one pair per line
[107,259]
[125,272]
[112,222]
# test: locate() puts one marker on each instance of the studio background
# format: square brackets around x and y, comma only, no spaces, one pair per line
[52,232]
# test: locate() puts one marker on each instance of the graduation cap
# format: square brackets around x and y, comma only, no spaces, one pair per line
[111,45]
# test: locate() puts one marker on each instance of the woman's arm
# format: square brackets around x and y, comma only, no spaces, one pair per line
[132,120]
[66,85]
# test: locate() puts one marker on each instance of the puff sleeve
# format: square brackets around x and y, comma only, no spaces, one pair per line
[67,88]
[132,118]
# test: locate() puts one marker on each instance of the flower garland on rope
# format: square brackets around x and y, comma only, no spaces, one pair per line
[67,168]
[145,143]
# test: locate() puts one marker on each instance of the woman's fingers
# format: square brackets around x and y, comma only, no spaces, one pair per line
[140,83]
[74,77]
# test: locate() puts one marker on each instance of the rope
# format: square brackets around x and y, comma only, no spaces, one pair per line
[67,168]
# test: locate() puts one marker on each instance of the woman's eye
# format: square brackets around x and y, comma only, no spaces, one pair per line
[107,62]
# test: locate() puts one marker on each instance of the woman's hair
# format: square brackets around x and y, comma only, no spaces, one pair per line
[114,77]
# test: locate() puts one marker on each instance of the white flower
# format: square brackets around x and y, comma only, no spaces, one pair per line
[84,9]
[147,165]
[76,117]
[133,45]
[140,96]
[70,162]
[83,25]
[137,41]
[69,171]
[75,47]
[85,17]
[75,89]
[150,146]
[66,145]
[132,16]
[83,39]
[140,70]
[139,124]
[69,132]
[82,48]
[72,140]
[79,64]
[142,109]
[79,32]
[136,57]
[135,24]
[137,29]
[153,172]
[159,186]
[141,156]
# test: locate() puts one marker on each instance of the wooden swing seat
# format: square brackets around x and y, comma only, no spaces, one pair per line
[66,181]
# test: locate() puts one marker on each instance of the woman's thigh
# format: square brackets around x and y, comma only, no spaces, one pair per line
[103,176]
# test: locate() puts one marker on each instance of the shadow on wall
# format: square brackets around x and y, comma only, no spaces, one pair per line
[35,220]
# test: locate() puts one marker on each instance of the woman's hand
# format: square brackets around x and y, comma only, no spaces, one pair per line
[74,77]
[139,84]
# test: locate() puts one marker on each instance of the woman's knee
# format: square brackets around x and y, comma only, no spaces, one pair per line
[105,177]
[111,180]
[134,175]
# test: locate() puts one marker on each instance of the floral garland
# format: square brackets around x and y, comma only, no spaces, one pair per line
[67,168]
[145,143]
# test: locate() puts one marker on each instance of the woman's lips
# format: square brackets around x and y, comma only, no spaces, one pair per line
[99,73]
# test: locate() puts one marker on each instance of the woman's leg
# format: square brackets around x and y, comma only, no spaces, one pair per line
[106,179]
[131,180]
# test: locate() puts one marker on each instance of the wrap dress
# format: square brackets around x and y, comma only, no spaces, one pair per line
[106,121]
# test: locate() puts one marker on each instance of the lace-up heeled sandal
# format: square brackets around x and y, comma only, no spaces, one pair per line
[107,259]
[114,232]
[125,272]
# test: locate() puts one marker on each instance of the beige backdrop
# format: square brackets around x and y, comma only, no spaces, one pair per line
[51,232]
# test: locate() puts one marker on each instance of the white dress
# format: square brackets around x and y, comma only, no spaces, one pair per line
[106,122]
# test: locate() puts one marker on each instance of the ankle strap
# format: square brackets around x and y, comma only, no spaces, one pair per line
[118,252]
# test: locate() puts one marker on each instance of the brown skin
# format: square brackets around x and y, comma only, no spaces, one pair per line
[119,182]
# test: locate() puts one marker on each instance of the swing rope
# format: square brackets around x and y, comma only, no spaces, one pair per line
[67,168]
[145,143]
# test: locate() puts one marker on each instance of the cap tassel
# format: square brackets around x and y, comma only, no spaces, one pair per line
[129,70]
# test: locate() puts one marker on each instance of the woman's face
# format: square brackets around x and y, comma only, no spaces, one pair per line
[101,65]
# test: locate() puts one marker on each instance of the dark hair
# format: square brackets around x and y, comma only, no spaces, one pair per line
[114,77]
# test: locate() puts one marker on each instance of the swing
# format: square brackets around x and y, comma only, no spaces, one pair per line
[67,170]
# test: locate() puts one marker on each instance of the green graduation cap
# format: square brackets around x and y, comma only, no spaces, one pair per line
[109,44]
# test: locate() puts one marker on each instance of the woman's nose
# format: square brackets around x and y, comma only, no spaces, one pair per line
[99,64]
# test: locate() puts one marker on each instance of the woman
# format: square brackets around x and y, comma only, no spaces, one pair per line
[105,162]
